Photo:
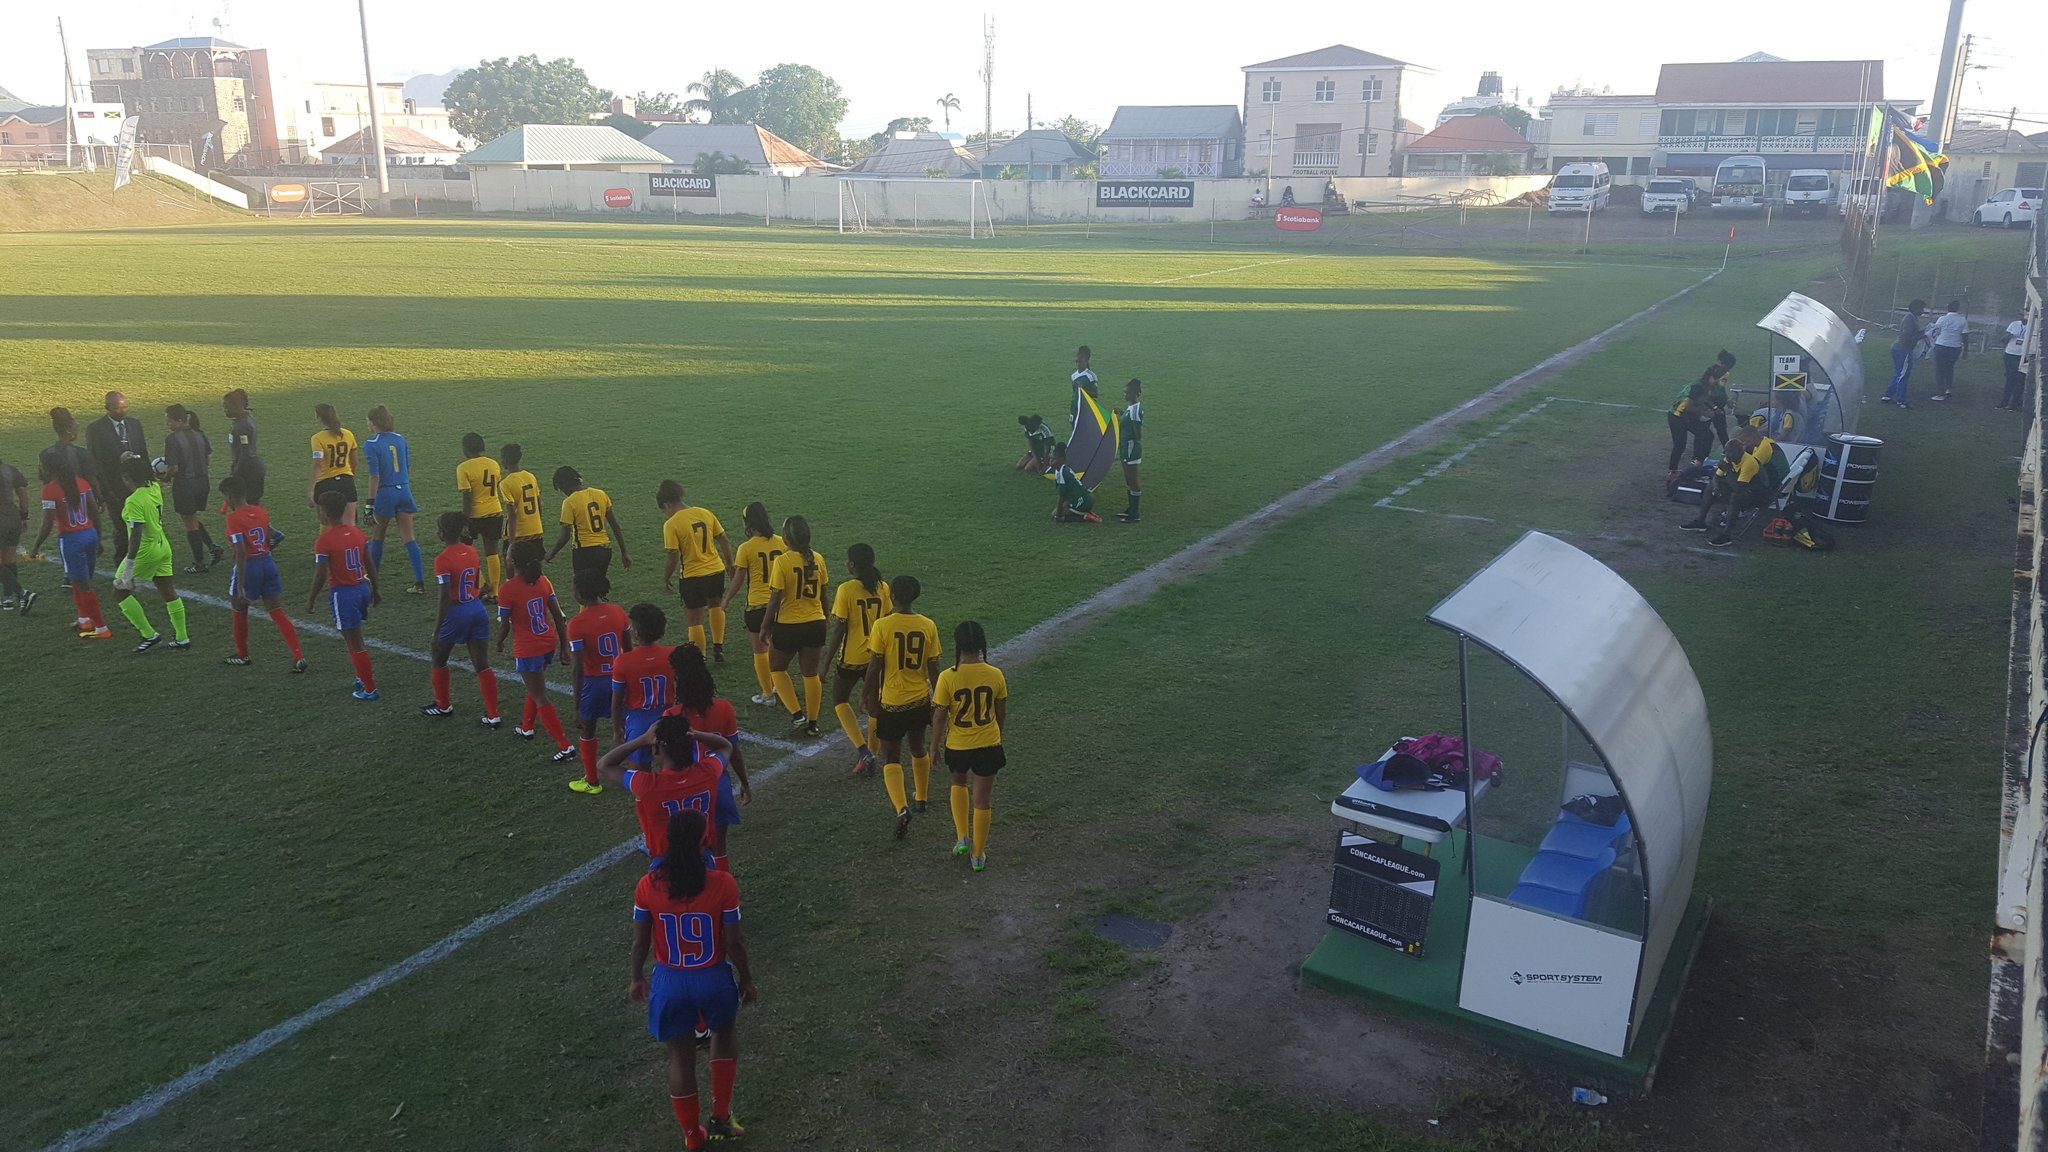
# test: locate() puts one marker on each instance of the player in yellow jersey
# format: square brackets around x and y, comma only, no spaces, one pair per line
[334,462]
[519,492]
[477,479]
[696,542]
[903,665]
[794,624]
[859,603]
[751,566]
[586,516]
[970,705]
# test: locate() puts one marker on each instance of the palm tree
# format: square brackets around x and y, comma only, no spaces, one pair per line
[949,104]
[715,92]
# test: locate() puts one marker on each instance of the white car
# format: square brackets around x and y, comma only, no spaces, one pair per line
[2011,206]
[1668,194]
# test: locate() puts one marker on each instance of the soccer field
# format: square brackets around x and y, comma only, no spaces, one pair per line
[228,847]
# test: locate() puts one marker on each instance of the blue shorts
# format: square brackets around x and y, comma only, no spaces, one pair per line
[80,550]
[263,579]
[391,500]
[728,802]
[351,606]
[463,624]
[678,997]
[596,702]
[635,722]
[533,663]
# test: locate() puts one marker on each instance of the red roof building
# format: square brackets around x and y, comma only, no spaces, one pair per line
[1469,146]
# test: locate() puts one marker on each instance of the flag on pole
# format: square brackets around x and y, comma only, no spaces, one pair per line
[124,150]
[1916,162]
[1092,453]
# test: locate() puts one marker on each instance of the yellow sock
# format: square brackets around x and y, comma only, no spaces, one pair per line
[814,695]
[921,769]
[981,819]
[761,674]
[718,626]
[959,811]
[892,779]
[491,569]
[697,638]
[785,691]
[874,739]
[849,724]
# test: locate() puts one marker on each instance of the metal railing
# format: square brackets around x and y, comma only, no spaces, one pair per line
[79,157]
[1762,145]
[1315,163]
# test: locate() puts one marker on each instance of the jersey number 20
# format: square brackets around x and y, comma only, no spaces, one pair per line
[973,709]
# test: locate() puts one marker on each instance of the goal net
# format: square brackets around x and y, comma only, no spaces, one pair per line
[911,205]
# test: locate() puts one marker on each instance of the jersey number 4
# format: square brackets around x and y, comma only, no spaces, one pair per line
[688,935]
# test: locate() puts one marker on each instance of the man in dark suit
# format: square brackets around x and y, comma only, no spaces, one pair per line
[108,439]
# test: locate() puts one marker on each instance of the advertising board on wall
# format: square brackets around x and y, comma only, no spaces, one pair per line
[682,184]
[1144,193]
[1292,219]
[618,197]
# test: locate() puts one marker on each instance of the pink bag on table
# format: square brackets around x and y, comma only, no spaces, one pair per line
[1446,754]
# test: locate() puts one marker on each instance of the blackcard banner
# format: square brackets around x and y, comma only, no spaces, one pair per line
[1382,892]
[1144,193]
[681,184]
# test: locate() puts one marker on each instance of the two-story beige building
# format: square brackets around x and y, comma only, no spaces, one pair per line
[1335,111]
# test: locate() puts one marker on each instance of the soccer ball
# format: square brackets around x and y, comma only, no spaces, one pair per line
[161,467]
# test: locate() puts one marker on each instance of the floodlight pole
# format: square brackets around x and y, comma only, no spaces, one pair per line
[376,116]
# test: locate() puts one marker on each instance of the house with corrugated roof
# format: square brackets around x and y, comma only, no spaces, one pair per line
[403,147]
[759,149]
[1984,161]
[1038,154]
[1335,111]
[912,154]
[1196,140]
[1469,146]
[1793,113]
[568,147]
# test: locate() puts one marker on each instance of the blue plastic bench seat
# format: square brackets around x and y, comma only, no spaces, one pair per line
[1572,836]
[1559,883]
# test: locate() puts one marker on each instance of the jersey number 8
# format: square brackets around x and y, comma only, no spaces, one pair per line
[537,616]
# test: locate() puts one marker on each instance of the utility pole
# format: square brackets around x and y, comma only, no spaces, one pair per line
[376,115]
[1942,118]
[70,115]
[1029,121]
[988,83]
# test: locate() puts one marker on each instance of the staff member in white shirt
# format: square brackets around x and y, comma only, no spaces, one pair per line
[1947,333]
[2015,355]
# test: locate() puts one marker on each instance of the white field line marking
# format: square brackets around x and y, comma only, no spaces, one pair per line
[1547,531]
[1239,268]
[1135,587]
[427,658]
[1594,403]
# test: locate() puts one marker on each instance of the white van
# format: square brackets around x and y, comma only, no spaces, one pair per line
[1580,188]
[1739,185]
[1808,190]
[1671,194]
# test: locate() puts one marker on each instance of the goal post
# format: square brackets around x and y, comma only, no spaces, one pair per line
[913,205]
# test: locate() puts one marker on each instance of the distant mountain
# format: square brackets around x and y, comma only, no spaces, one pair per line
[426,90]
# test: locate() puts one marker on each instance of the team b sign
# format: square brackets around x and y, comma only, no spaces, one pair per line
[1144,193]
[618,197]
[682,184]
[1297,219]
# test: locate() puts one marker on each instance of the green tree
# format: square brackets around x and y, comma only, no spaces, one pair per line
[1078,130]
[637,129]
[899,124]
[949,104]
[798,103]
[1171,174]
[714,101]
[658,104]
[1517,117]
[499,95]
[719,164]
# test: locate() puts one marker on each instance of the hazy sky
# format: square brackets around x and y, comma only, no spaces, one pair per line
[1070,56]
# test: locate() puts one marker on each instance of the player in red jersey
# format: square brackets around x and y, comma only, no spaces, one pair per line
[641,678]
[461,619]
[340,558]
[690,919]
[254,576]
[69,506]
[532,618]
[597,636]
[697,701]
[686,769]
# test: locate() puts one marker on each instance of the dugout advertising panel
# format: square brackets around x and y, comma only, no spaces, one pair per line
[1573,946]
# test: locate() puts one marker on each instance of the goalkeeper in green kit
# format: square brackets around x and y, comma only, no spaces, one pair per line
[149,555]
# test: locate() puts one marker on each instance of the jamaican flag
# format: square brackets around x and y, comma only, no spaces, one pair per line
[1911,160]
[1092,453]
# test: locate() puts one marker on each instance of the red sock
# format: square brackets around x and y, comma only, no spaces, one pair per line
[719,864]
[686,1115]
[441,688]
[78,596]
[362,662]
[589,749]
[286,630]
[487,683]
[526,717]
[553,723]
[93,611]
[241,631]
[722,1072]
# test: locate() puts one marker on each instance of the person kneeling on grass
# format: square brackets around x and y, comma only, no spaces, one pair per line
[688,917]
[969,706]
[461,618]
[1752,470]
[1037,445]
[1072,500]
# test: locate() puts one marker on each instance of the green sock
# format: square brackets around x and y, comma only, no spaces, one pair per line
[132,609]
[176,611]
[1133,509]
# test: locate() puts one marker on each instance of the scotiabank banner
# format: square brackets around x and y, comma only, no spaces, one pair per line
[618,197]
[1144,193]
[682,184]
[1291,219]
